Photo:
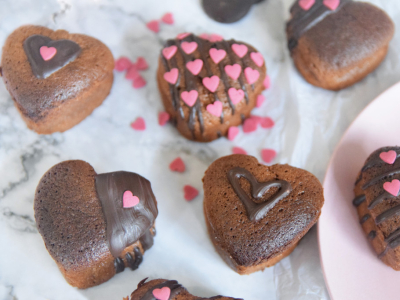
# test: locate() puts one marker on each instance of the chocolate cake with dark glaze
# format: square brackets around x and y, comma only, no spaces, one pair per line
[334,48]
[79,213]
[55,78]
[257,214]
[162,289]
[234,72]
[378,203]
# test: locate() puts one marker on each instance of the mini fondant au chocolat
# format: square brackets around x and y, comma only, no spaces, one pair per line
[377,201]
[161,289]
[209,86]
[336,43]
[94,225]
[55,78]
[257,214]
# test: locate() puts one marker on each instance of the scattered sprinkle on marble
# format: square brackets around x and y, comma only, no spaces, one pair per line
[139,124]
[123,63]
[177,165]
[141,64]
[154,26]
[163,118]
[238,150]
[168,18]
[267,122]
[268,155]
[190,192]
[260,100]
[232,132]
[250,125]
[132,73]
[139,82]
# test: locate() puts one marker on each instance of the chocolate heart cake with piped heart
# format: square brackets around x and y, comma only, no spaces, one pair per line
[257,214]
[162,289]
[94,225]
[377,201]
[336,43]
[56,79]
[208,87]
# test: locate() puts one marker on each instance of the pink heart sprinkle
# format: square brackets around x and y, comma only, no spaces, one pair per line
[139,124]
[250,125]
[177,165]
[257,58]
[123,63]
[392,187]
[388,157]
[260,100]
[168,18]
[154,26]
[233,71]
[182,35]
[332,4]
[170,51]
[128,200]
[235,95]
[189,47]
[47,53]
[139,82]
[238,150]
[211,83]
[240,50]
[172,76]
[190,192]
[267,82]
[215,38]
[217,54]
[251,75]
[162,294]
[190,97]
[215,109]
[132,73]
[233,131]
[306,4]
[268,155]
[141,64]
[195,66]
[163,118]
[267,122]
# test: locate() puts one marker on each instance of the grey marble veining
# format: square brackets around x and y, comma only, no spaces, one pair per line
[309,123]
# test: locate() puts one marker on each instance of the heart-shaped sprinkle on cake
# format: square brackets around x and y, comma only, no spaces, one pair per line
[235,95]
[251,75]
[257,58]
[162,294]
[388,157]
[190,97]
[129,200]
[47,53]
[332,4]
[211,83]
[189,47]
[306,4]
[233,71]
[215,109]
[195,66]
[217,54]
[240,50]
[172,76]
[169,52]
[392,187]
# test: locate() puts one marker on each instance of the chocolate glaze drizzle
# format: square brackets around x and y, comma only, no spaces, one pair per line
[67,51]
[193,82]
[257,211]
[125,226]
[301,20]
[393,240]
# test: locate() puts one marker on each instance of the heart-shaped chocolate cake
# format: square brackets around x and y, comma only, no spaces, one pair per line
[207,87]
[377,200]
[257,214]
[94,225]
[162,289]
[336,43]
[56,79]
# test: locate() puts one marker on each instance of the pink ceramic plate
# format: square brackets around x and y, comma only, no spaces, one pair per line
[351,268]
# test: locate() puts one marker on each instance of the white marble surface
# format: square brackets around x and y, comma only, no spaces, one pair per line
[309,123]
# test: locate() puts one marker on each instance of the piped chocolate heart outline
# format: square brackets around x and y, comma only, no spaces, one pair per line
[67,51]
[257,211]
